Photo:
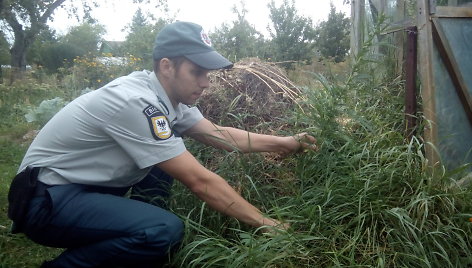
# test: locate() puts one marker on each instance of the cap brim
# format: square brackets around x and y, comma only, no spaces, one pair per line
[210,60]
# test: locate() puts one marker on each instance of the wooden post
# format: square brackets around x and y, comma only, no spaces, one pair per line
[425,50]
[399,37]
[357,26]
[410,74]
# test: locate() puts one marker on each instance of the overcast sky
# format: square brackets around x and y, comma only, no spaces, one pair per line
[115,15]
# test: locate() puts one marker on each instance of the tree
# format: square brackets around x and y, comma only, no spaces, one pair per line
[139,21]
[4,51]
[140,39]
[292,35]
[333,36]
[53,53]
[240,40]
[26,19]
[85,38]
[45,38]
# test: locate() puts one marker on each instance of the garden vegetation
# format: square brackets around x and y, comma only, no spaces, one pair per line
[366,198]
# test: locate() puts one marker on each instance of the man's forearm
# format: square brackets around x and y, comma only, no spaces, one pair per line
[220,196]
[245,141]
[214,190]
[233,139]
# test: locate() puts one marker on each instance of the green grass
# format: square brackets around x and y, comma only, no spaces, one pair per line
[365,199]
[16,251]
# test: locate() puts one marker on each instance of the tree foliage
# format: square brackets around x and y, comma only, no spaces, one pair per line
[85,37]
[44,39]
[333,36]
[53,52]
[27,18]
[142,32]
[240,39]
[80,40]
[292,34]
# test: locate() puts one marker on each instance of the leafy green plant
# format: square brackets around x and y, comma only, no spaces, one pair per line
[45,111]
[18,97]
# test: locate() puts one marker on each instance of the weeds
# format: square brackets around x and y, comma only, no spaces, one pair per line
[363,200]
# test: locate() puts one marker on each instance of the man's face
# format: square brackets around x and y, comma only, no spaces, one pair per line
[187,83]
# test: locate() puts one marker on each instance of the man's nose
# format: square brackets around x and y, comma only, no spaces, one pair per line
[204,81]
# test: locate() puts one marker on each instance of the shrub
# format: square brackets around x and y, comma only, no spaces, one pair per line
[92,72]
[24,94]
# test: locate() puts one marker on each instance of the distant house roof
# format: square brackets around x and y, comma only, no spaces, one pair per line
[111,47]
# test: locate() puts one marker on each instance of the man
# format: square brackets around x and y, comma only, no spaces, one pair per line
[127,135]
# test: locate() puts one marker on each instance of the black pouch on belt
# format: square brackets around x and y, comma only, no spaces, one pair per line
[21,192]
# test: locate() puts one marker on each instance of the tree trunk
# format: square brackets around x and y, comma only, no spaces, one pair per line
[15,15]
[18,55]
[18,58]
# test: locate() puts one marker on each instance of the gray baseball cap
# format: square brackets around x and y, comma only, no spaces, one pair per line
[189,40]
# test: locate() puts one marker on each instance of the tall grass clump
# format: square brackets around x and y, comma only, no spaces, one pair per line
[365,199]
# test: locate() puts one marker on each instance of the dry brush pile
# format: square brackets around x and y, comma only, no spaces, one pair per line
[253,94]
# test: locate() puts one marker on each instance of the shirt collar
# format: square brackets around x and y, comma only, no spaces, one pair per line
[164,101]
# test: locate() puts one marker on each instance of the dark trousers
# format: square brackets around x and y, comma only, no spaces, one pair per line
[101,228]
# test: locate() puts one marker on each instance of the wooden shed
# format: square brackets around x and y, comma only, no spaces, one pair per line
[434,40]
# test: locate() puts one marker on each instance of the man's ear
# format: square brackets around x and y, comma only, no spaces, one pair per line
[166,67]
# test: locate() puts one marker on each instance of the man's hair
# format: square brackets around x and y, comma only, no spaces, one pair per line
[176,61]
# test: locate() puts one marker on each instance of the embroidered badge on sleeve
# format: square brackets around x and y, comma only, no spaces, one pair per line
[160,127]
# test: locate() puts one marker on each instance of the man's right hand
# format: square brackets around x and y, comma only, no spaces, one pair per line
[271,226]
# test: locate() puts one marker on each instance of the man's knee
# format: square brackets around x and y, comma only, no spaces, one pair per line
[167,234]
[176,230]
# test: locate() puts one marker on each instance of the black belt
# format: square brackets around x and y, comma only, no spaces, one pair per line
[41,189]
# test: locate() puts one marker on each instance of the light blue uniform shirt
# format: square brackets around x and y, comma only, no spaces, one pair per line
[111,136]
